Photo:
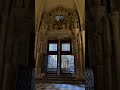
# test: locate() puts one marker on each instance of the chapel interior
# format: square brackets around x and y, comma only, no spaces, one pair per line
[59,45]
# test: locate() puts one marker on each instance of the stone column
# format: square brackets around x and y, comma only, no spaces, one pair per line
[107,54]
[38,60]
[6,53]
[2,48]
[36,54]
[4,24]
[83,43]
[7,69]
[115,24]
[99,65]
[81,59]
[76,59]
[36,43]
[37,67]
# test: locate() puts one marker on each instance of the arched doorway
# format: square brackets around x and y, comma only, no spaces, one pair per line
[60,28]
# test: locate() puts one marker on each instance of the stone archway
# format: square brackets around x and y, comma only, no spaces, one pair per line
[72,30]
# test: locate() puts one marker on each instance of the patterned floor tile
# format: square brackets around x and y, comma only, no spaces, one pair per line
[47,86]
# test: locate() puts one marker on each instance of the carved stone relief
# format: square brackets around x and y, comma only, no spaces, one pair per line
[60,18]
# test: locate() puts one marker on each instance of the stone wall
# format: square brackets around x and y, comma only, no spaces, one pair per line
[15,28]
[102,20]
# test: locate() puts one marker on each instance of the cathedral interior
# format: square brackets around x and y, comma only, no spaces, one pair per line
[59,45]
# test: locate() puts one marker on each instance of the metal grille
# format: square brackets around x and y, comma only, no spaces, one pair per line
[89,79]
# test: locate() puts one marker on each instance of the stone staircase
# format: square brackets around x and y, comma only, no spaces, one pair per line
[63,78]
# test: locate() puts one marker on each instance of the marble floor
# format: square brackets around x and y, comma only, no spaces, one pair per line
[52,86]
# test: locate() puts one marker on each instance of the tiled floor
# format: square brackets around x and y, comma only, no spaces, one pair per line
[59,87]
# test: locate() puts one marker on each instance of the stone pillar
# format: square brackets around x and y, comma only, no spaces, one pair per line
[91,46]
[2,50]
[76,59]
[9,82]
[83,43]
[6,72]
[115,24]
[107,54]
[6,53]
[37,67]
[3,31]
[81,59]
[99,65]
[38,61]
[36,43]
